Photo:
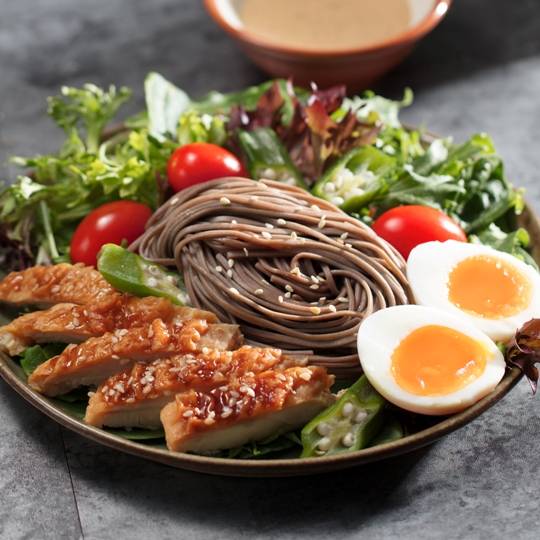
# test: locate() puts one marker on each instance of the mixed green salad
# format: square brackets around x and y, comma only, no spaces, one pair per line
[353,152]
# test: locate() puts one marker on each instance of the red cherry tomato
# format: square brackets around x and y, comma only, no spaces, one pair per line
[111,223]
[405,227]
[199,162]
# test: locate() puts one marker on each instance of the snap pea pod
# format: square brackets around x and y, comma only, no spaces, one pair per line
[131,273]
[267,157]
[355,179]
[349,424]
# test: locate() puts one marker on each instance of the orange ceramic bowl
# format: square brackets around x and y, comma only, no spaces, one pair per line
[358,68]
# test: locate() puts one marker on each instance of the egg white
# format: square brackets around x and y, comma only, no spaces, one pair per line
[382,332]
[428,269]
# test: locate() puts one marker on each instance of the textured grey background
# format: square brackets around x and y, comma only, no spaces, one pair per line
[479,71]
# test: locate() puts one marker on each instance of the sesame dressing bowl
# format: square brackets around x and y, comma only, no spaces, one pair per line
[356,67]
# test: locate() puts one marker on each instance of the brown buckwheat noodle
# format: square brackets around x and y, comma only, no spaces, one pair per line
[293,270]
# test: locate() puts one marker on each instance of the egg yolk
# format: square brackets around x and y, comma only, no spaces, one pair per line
[486,286]
[436,360]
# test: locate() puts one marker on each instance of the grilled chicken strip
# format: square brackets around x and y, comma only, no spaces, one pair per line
[70,323]
[249,408]
[95,360]
[135,398]
[44,286]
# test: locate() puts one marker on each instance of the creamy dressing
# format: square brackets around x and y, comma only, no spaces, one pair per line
[326,24]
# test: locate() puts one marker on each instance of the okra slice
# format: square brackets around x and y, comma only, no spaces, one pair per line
[349,424]
[355,179]
[131,273]
[267,157]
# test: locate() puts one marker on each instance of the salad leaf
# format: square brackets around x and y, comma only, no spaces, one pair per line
[34,356]
[165,104]
[277,442]
[523,351]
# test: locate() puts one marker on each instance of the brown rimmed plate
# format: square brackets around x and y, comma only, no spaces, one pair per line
[14,376]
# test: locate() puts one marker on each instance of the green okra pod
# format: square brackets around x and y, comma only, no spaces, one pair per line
[349,424]
[267,157]
[131,273]
[355,179]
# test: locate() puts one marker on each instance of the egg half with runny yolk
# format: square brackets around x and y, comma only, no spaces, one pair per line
[427,361]
[492,290]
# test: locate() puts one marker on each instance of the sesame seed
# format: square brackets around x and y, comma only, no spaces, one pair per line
[130,400]
[115,357]
[289,288]
[280,299]
[205,350]
[232,402]
[306,375]
[268,225]
[235,394]
[230,273]
[301,240]
[255,198]
[344,235]
[111,392]
[258,292]
[266,235]
[315,207]
[209,421]
[281,222]
[250,392]
[288,294]
[348,245]
[315,279]
[188,413]
[70,326]
[120,387]
[295,271]
[147,389]
[234,222]
[314,286]
[294,236]
[150,332]
[315,310]
[173,201]
[343,299]
[230,263]
[85,313]
[224,201]
[246,252]
[143,381]
[54,288]
[226,413]
[219,269]
[281,377]
[91,394]
[332,308]
[233,290]
[124,361]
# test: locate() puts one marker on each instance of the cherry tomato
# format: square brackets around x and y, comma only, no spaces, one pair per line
[111,223]
[404,227]
[194,163]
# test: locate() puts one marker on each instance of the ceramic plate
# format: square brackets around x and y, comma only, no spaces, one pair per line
[14,375]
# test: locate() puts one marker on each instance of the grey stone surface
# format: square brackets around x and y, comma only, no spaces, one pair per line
[36,497]
[479,71]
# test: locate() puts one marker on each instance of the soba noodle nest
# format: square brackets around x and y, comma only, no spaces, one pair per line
[292,270]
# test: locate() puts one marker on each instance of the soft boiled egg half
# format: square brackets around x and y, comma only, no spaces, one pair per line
[427,361]
[489,289]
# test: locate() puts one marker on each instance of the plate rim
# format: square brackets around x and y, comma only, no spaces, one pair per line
[263,467]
